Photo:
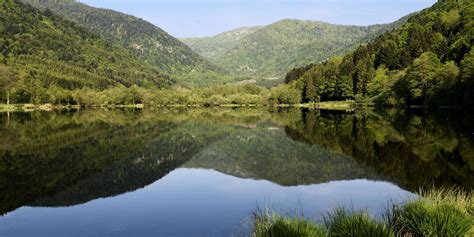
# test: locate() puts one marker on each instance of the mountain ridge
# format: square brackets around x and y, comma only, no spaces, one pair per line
[269,51]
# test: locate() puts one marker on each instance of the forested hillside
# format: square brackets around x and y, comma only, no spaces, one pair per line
[44,58]
[427,61]
[216,46]
[138,36]
[269,52]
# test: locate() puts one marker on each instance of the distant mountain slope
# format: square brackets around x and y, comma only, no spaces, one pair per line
[42,51]
[140,37]
[216,46]
[270,51]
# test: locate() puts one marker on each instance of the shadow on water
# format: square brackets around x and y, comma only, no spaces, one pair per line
[68,158]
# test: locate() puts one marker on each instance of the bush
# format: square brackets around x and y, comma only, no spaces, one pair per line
[217,100]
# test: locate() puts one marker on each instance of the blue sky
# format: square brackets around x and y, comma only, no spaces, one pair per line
[189,18]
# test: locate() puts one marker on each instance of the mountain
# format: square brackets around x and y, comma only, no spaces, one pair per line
[143,39]
[44,55]
[427,61]
[269,52]
[216,46]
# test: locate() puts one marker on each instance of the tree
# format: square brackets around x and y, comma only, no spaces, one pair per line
[416,40]
[447,75]
[285,94]
[6,81]
[344,87]
[5,51]
[421,76]
[467,67]
[467,78]
[310,91]
[377,85]
[364,73]
[388,55]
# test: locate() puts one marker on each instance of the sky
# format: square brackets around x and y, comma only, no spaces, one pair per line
[197,18]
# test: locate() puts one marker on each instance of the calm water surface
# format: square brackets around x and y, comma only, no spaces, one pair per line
[202,172]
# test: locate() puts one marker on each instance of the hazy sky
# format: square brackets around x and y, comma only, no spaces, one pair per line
[187,18]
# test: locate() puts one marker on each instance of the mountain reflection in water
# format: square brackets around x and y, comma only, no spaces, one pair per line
[258,156]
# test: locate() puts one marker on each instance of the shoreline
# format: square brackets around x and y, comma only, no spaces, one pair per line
[329,105]
[345,106]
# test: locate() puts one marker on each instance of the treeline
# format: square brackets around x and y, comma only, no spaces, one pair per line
[427,61]
[41,54]
[249,94]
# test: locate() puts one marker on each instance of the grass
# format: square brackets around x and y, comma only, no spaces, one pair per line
[268,224]
[438,213]
[350,223]
[434,214]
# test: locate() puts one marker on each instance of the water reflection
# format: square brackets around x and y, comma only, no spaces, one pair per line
[62,159]
[194,202]
[411,150]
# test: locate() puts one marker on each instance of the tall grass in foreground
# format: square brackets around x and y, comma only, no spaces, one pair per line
[267,224]
[436,213]
[351,223]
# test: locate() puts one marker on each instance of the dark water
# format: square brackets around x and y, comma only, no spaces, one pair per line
[202,172]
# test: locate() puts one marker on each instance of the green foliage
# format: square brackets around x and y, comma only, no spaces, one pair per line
[297,72]
[357,224]
[439,213]
[270,51]
[419,218]
[467,78]
[285,94]
[421,76]
[268,225]
[427,216]
[322,83]
[237,94]
[47,54]
[420,63]
[216,46]
[143,39]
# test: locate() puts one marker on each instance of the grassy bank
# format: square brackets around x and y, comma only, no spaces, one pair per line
[436,213]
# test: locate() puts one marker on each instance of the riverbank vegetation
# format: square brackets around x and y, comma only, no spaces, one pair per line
[134,96]
[435,213]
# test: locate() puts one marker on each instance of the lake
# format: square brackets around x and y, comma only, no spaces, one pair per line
[203,172]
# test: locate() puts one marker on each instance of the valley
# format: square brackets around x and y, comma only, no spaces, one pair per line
[285,124]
